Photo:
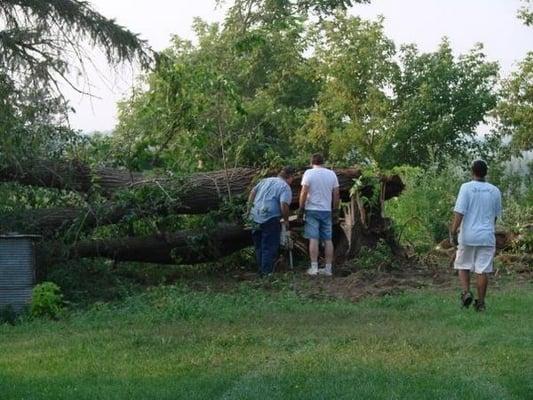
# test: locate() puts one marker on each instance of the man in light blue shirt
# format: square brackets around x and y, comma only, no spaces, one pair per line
[477,207]
[270,200]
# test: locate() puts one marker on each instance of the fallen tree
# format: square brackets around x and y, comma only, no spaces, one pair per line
[183,247]
[197,193]
[200,246]
[70,175]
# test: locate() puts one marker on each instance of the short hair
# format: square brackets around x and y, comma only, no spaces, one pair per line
[286,172]
[317,159]
[479,168]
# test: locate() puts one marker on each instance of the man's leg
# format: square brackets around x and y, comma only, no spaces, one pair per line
[464,278]
[311,232]
[270,245]
[329,250]
[313,250]
[484,261]
[464,263]
[326,234]
[257,238]
[482,281]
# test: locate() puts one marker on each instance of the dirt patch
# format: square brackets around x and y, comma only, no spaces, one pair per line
[350,283]
[363,283]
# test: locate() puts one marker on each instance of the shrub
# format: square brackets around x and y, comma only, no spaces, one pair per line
[423,212]
[376,258]
[47,300]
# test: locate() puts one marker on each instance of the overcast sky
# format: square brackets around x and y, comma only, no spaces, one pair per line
[424,22]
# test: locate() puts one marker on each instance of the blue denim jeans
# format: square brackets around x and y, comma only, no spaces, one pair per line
[266,242]
[318,225]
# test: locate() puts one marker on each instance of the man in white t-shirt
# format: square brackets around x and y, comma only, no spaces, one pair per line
[318,197]
[477,207]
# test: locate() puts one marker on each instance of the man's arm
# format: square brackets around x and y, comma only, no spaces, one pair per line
[301,204]
[285,211]
[456,223]
[336,198]
[459,211]
[303,196]
[284,202]
[250,202]
[498,206]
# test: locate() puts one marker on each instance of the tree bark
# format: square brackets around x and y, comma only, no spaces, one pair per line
[198,193]
[194,247]
[69,175]
[184,247]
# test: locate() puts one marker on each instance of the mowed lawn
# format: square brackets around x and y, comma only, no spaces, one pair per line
[172,343]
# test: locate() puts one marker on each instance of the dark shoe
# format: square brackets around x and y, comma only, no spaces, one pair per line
[466,299]
[479,305]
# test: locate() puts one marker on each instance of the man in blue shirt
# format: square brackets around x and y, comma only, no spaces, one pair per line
[270,200]
[477,207]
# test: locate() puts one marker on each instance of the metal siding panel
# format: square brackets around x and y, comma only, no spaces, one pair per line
[16,272]
[16,298]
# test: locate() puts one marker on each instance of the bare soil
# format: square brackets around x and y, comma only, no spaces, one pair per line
[351,283]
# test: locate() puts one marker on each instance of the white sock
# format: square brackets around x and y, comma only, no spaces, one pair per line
[314,265]
[328,267]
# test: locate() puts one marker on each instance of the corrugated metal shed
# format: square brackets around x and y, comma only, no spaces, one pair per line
[17,270]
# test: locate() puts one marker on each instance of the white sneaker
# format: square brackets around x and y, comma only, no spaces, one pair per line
[325,271]
[313,271]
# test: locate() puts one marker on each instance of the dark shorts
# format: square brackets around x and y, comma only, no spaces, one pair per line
[318,225]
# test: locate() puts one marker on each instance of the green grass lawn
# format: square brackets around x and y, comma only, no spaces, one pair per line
[172,343]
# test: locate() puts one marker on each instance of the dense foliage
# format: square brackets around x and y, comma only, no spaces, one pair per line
[274,82]
[44,44]
[516,107]
[249,94]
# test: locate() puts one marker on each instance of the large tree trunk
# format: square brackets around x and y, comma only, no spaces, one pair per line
[184,247]
[194,247]
[198,193]
[71,175]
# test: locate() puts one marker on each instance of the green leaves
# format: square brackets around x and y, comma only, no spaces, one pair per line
[41,42]
[272,82]
[47,301]
[440,101]
[515,111]
[526,13]
[233,99]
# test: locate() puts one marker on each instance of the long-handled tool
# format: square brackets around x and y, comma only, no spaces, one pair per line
[286,243]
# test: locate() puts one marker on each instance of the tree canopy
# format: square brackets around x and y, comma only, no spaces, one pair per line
[526,13]
[515,110]
[42,44]
[40,40]
[280,88]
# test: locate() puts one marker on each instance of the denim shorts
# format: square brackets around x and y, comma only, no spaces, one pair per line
[318,225]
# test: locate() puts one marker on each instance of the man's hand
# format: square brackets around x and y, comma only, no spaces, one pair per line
[285,235]
[454,239]
[300,215]
[335,217]
[456,224]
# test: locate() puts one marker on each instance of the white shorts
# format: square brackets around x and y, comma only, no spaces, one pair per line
[478,259]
